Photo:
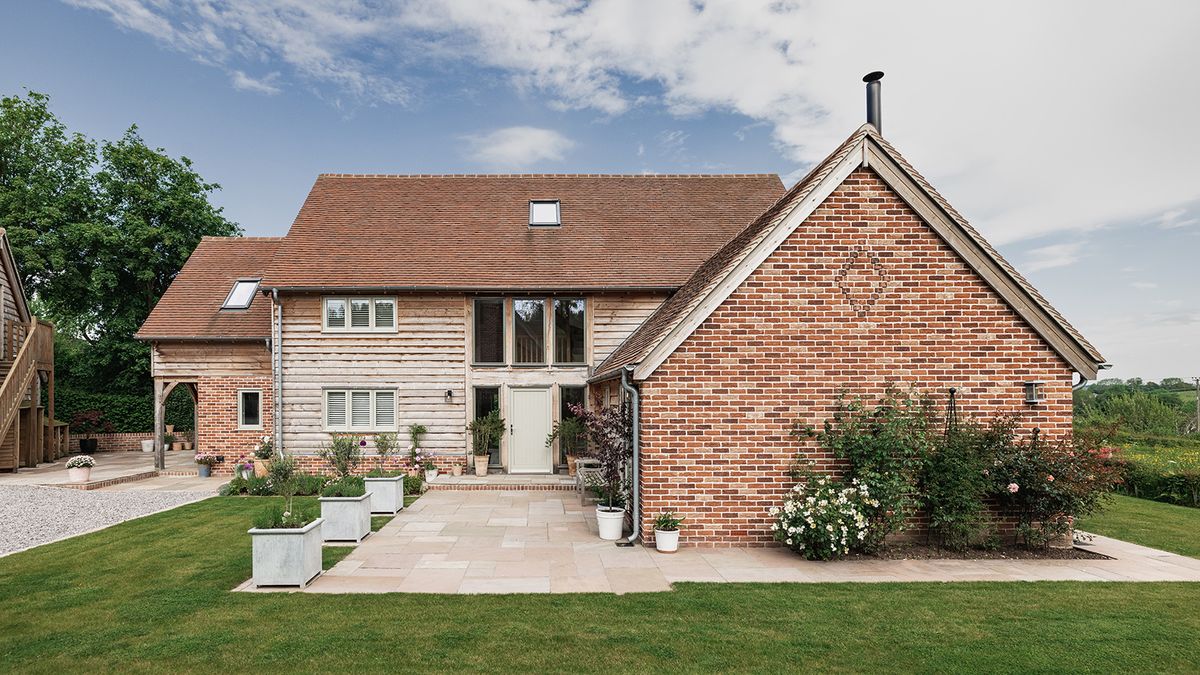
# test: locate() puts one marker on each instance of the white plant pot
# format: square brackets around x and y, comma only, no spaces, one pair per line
[80,475]
[387,494]
[148,445]
[346,518]
[666,541]
[611,523]
[287,556]
[430,474]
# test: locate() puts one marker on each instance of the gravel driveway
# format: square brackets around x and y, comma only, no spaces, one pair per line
[33,515]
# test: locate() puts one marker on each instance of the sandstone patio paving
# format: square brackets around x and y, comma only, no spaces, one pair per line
[530,541]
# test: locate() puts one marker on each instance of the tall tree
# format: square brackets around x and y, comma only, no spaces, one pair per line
[98,239]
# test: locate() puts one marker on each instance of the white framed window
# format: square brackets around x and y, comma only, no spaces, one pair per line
[544,213]
[358,315]
[250,409]
[360,410]
[241,295]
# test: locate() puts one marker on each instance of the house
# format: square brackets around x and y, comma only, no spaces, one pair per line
[730,308]
[28,434]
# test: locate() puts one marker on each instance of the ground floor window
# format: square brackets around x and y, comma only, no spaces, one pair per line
[360,410]
[250,409]
[487,399]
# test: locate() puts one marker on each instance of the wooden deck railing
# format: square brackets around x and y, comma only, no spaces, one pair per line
[37,350]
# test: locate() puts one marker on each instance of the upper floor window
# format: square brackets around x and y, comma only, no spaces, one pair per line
[529,331]
[241,295]
[359,314]
[544,213]
[569,330]
[489,331]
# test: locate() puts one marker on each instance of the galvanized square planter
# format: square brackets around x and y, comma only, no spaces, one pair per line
[346,518]
[287,556]
[387,494]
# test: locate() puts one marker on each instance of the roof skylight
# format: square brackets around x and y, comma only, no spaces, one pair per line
[544,213]
[241,295]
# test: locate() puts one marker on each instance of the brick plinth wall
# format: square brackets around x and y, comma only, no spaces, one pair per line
[124,442]
[315,465]
[862,294]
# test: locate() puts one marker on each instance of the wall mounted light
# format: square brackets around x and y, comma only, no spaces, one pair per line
[1035,392]
[449,395]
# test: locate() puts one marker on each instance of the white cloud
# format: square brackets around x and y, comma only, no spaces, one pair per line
[1144,285]
[1175,219]
[1034,125]
[517,147]
[265,85]
[1055,255]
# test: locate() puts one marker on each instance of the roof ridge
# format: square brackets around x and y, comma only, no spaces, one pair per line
[548,175]
[209,237]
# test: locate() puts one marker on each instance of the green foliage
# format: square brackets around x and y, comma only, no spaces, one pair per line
[667,521]
[822,519]
[254,486]
[98,232]
[570,433]
[1135,412]
[275,516]
[1162,469]
[347,486]
[265,448]
[344,453]
[414,484]
[486,431]
[416,432]
[884,444]
[128,413]
[385,445]
[954,483]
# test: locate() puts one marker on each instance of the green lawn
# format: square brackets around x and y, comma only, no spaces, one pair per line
[1166,526]
[153,595]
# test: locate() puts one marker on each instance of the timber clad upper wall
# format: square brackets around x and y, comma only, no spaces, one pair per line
[614,317]
[472,232]
[190,360]
[191,307]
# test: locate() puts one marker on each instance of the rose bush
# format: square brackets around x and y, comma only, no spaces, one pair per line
[823,519]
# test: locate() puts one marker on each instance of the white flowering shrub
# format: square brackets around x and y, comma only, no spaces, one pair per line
[822,519]
[81,462]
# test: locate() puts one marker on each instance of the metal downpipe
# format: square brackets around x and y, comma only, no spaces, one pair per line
[635,413]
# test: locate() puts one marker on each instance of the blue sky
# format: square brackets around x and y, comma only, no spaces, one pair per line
[1061,131]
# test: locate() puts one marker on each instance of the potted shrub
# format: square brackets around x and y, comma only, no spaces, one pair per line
[569,433]
[666,532]
[386,490]
[148,445]
[186,443]
[262,457]
[485,431]
[90,423]
[287,542]
[169,441]
[431,470]
[610,433]
[79,468]
[346,510]
[245,470]
[205,462]
[456,468]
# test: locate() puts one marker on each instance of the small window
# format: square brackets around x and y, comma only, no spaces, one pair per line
[362,410]
[529,331]
[1035,392]
[241,295]
[489,331]
[569,330]
[544,213]
[360,314]
[250,409]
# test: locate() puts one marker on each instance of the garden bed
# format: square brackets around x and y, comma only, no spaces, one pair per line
[925,552]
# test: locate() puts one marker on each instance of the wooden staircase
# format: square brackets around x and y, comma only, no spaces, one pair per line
[31,348]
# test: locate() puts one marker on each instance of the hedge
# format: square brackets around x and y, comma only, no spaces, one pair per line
[128,413]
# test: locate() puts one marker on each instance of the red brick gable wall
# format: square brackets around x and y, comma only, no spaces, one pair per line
[862,294]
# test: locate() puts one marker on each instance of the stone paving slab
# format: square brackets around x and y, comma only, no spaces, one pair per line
[495,541]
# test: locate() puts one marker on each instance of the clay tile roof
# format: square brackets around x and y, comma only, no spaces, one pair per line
[659,325]
[191,307]
[472,232]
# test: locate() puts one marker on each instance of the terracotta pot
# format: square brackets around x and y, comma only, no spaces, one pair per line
[261,466]
[481,465]
[456,469]
[570,465]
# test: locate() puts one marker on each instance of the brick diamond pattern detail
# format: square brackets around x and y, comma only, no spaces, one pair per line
[862,280]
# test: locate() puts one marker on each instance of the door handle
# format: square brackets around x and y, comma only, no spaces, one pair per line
[511,430]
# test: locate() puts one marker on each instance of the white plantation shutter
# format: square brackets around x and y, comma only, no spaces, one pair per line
[335,313]
[385,409]
[360,409]
[335,409]
[360,313]
[385,313]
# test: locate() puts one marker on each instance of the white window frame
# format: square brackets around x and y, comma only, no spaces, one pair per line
[349,426]
[242,426]
[236,283]
[373,300]
[557,213]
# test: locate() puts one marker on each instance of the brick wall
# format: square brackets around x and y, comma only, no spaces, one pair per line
[126,442]
[862,294]
[218,413]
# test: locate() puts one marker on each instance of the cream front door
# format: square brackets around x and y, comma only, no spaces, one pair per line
[529,425]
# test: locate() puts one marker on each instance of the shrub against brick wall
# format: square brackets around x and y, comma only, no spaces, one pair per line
[862,294]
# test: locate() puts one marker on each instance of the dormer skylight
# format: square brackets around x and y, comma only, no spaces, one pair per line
[544,213]
[241,295]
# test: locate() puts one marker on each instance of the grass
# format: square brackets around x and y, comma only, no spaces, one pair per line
[1166,526]
[153,595]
